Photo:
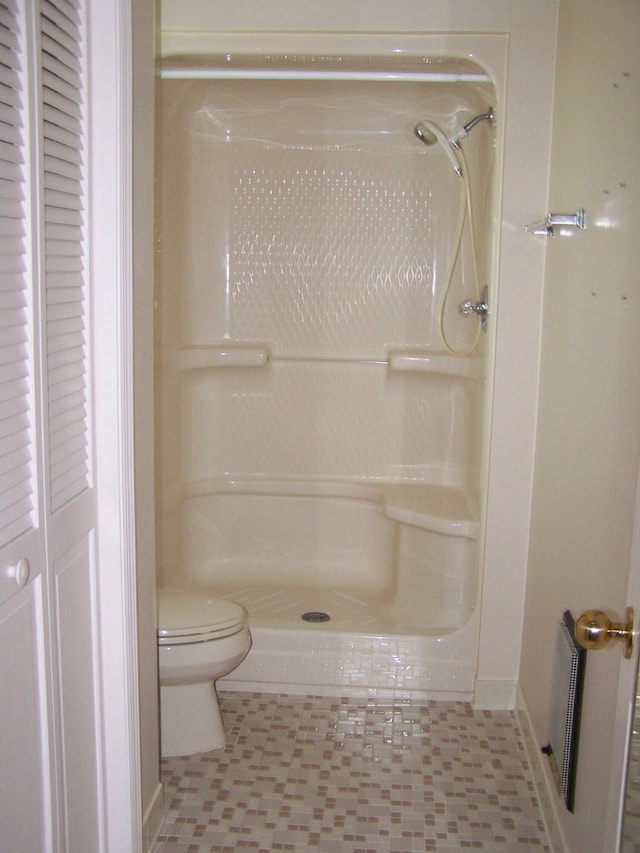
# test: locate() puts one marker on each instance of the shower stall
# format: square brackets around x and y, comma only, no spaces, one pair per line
[325,313]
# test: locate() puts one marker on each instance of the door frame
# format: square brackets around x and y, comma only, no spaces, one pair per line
[109,52]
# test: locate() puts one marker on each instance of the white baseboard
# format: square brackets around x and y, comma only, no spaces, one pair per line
[541,776]
[152,820]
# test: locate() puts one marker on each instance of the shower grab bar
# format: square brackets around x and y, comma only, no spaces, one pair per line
[411,361]
[329,359]
[253,355]
[224,355]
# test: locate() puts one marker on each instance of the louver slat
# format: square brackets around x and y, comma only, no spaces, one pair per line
[15,475]
[16,438]
[12,526]
[65,283]
[56,166]
[65,89]
[60,142]
[61,70]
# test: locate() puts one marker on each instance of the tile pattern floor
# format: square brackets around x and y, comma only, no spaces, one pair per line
[311,773]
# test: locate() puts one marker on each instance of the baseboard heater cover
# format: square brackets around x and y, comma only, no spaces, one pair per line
[566,704]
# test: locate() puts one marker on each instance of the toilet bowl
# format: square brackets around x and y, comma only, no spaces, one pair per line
[200,639]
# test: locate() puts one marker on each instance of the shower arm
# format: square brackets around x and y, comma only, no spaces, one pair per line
[464,131]
[488,116]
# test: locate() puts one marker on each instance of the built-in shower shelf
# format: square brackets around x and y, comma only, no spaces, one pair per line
[416,361]
[223,355]
[440,509]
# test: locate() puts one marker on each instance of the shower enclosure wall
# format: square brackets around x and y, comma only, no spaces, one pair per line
[320,448]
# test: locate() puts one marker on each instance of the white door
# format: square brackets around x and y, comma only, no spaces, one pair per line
[50,789]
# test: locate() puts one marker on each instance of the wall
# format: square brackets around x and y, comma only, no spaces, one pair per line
[589,414]
[248,24]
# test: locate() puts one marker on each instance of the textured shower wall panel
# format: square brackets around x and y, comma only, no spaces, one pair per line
[336,241]
[308,218]
[315,222]
[308,420]
[284,541]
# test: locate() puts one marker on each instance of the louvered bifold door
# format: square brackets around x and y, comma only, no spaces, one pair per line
[69,500]
[25,824]
[18,328]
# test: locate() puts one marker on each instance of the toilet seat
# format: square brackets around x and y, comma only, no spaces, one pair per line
[190,618]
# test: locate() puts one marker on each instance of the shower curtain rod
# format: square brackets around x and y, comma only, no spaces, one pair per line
[194,73]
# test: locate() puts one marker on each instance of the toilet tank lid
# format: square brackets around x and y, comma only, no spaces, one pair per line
[182,613]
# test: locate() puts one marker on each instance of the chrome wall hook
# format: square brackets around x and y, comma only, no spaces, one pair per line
[546,227]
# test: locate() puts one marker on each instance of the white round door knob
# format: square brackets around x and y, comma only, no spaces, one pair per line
[20,572]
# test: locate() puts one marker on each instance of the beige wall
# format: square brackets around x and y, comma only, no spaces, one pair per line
[589,412]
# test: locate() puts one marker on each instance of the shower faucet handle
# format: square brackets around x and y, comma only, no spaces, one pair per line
[481,308]
[470,306]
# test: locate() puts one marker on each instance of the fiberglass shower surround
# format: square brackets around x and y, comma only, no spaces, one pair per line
[321,448]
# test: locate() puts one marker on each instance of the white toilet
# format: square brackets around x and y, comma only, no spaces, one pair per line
[200,639]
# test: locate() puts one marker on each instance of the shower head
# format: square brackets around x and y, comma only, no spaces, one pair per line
[424,134]
[429,133]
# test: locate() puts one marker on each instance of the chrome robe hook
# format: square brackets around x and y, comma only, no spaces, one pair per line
[546,228]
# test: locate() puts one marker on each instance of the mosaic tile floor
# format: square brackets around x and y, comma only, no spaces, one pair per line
[348,776]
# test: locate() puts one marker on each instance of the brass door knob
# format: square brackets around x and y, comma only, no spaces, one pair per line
[594,630]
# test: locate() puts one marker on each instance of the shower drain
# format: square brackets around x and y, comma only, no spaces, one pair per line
[315,616]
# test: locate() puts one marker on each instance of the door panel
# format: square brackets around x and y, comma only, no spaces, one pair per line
[23,781]
[20,536]
[75,616]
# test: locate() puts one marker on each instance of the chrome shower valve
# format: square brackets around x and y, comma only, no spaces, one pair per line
[481,308]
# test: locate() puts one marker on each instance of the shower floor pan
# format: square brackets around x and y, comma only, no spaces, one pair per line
[394,568]
[381,559]
[278,608]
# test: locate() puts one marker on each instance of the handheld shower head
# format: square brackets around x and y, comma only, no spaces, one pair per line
[424,134]
[429,133]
